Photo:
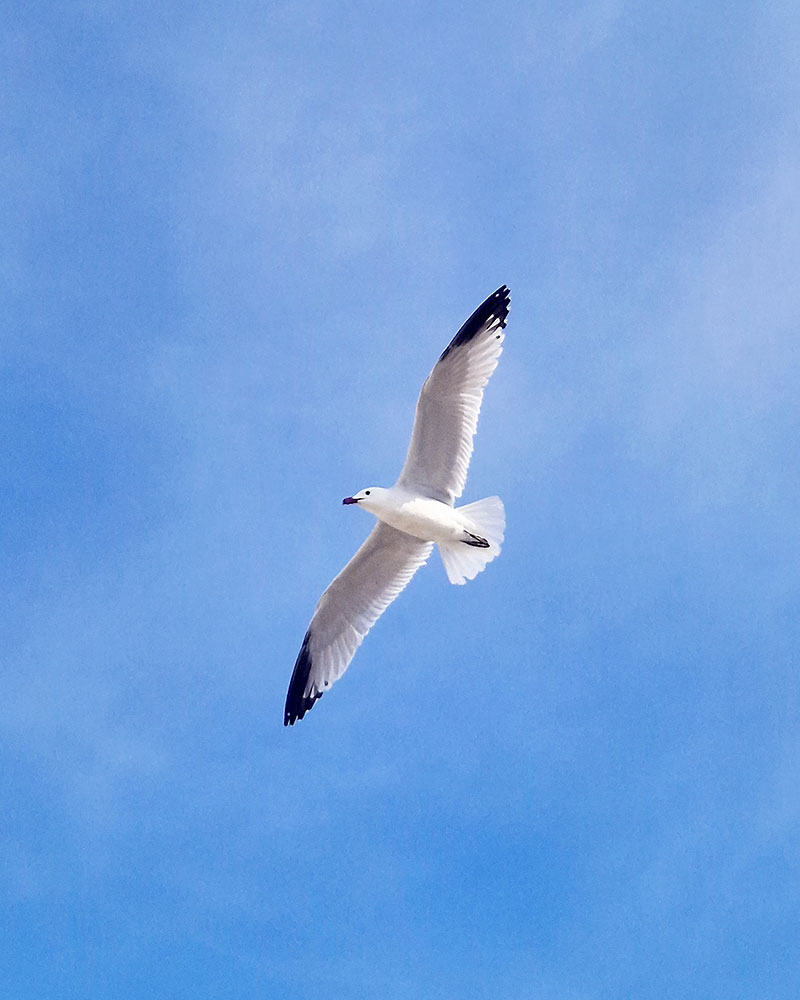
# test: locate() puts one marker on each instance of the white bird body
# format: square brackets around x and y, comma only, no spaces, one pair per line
[414,514]
[422,517]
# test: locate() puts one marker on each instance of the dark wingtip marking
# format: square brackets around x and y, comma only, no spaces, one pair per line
[495,307]
[296,704]
[475,540]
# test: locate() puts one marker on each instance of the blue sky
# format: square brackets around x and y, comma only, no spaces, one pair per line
[234,240]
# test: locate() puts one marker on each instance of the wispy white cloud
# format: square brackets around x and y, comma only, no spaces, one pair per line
[713,380]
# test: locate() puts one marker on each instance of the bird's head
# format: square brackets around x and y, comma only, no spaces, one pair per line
[369,498]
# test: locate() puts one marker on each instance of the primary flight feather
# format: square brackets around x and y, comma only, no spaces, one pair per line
[414,514]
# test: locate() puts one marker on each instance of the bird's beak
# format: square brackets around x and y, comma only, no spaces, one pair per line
[349,500]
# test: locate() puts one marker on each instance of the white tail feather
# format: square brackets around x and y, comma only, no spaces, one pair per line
[486,518]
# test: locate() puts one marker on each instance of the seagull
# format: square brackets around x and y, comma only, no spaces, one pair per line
[414,514]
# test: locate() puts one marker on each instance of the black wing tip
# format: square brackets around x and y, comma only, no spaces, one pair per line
[296,703]
[494,307]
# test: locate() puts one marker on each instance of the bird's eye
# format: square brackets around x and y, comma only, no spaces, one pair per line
[366,493]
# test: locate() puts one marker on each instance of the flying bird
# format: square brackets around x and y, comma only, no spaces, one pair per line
[414,514]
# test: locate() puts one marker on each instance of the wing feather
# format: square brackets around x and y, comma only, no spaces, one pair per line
[348,609]
[447,410]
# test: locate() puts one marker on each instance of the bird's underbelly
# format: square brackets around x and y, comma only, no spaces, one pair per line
[426,519]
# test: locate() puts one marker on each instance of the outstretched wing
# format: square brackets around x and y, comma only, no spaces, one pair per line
[347,611]
[447,410]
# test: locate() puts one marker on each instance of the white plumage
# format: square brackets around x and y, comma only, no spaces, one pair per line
[415,513]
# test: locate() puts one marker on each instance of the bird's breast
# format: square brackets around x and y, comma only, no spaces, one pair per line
[424,518]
